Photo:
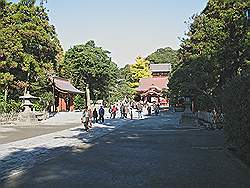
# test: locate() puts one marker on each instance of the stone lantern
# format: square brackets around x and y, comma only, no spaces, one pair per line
[27,104]
[187,117]
[27,116]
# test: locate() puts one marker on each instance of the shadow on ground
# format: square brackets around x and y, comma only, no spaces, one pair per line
[18,162]
[137,156]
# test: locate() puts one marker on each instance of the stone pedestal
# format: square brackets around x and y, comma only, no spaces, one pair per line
[187,117]
[27,117]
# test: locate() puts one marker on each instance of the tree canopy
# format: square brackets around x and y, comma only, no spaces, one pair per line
[214,51]
[140,69]
[164,55]
[29,47]
[89,64]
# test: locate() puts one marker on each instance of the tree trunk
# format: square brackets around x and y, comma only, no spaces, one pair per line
[6,94]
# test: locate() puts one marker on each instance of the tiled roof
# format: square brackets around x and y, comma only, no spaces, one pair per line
[64,85]
[160,67]
[147,83]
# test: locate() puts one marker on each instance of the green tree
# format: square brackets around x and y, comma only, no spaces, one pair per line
[214,51]
[164,55]
[236,107]
[122,90]
[87,63]
[29,48]
[140,69]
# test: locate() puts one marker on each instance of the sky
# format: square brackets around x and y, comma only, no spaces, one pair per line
[126,28]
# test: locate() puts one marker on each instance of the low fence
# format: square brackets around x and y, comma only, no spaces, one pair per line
[205,117]
[8,117]
[210,120]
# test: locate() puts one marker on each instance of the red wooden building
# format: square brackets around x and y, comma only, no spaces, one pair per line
[64,93]
[151,89]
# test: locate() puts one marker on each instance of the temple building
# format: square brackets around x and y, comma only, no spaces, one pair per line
[160,70]
[64,93]
[151,89]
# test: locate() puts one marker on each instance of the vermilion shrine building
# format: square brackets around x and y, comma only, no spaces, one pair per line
[64,93]
[151,89]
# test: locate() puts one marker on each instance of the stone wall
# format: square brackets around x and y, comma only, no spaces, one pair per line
[205,119]
[14,118]
[205,116]
[8,118]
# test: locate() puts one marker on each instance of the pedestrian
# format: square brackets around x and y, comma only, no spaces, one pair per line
[126,111]
[95,115]
[101,114]
[85,118]
[157,109]
[122,110]
[113,111]
[131,112]
[139,110]
[149,110]
[110,111]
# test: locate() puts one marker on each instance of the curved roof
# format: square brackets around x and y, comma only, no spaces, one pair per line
[147,83]
[63,84]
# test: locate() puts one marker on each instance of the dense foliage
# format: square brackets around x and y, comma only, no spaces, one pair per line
[89,64]
[214,52]
[29,48]
[124,91]
[164,55]
[140,69]
[237,112]
[215,64]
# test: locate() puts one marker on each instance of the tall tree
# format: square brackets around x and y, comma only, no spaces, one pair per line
[89,64]
[140,69]
[29,48]
[214,51]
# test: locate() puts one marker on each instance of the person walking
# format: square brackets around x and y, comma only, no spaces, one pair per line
[101,114]
[131,112]
[95,115]
[126,111]
[149,110]
[113,111]
[139,110]
[110,111]
[122,110]
[85,118]
[157,109]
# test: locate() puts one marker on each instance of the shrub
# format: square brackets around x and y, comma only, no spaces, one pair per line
[79,102]
[236,102]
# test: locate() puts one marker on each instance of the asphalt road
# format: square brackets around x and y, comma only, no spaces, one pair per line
[147,153]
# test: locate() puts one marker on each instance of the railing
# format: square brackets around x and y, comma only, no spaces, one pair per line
[210,120]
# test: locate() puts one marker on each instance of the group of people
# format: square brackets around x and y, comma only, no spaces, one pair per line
[88,115]
[126,111]
[155,107]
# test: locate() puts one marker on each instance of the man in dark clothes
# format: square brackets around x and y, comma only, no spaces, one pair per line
[95,116]
[101,114]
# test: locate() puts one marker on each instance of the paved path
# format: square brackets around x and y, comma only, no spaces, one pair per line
[61,121]
[18,156]
[149,153]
